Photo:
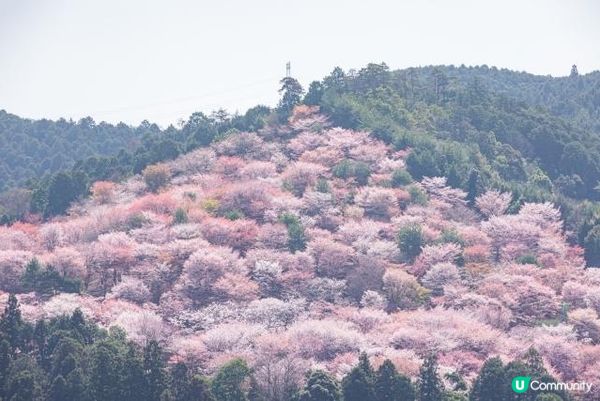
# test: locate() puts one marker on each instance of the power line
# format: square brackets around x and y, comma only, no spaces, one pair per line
[183,99]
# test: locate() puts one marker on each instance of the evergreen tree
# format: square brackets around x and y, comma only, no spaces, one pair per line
[410,241]
[391,386]
[77,385]
[154,368]
[592,246]
[291,94]
[365,365]
[296,235]
[227,384]
[23,387]
[473,186]
[320,387]
[58,390]
[491,383]
[40,337]
[104,374]
[11,322]
[167,395]
[430,385]
[315,94]
[180,382]
[358,386]
[5,357]
[133,382]
[200,389]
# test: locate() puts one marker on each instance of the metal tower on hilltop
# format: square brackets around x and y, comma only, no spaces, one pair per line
[288,69]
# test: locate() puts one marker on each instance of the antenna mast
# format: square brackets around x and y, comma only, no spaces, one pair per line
[288,69]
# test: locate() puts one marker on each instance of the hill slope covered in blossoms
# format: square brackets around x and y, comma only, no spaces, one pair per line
[302,245]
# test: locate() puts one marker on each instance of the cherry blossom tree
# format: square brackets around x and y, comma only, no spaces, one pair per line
[103,191]
[12,267]
[203,269]
[238,234]
[131,289]
[493,203]
[333,259]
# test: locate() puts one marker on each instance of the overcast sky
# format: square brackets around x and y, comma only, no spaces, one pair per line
[130,60]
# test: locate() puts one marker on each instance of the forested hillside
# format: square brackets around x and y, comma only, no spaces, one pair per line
[31,149]
[535,136]
[302,261]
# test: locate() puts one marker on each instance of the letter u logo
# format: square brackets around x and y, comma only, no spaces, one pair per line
[520,384]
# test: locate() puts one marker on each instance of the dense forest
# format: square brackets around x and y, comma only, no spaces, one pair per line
[31,149]
[70,358]
[424,234]
[482,127]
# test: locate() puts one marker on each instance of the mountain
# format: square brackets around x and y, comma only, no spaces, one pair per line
[299,246]
[33,148]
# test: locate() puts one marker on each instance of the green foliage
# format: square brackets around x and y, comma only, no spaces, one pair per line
[180,216]
[392,386]
[200,389]
[400,178]
[319,387]
[322,186]
[228,382]
[527,260]
[492,383]
[357,386]
[350,169]
[46,280]
[592,246]
[430,385]
[451,236]
[417,195]
[291,94]
[154,371]
[32,149]
[62,190]
[410,241]
[296,236]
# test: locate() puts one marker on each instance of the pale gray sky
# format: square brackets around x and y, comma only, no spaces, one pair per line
[130,60]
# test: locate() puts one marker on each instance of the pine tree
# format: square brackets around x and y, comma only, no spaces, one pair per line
[11,322]
[391,386]
[5,358]
[154,368]
[291,94]
[357,386]
[365,365]
[200,389]
[430,384]
[76,385]
[104,375]
[58,390]
[473,186]
[180,382]
[491,383]
[40,336]
[320,387]
[133,383]
[167,395]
